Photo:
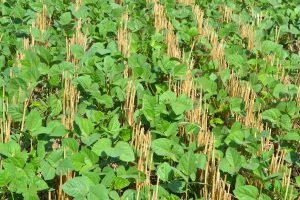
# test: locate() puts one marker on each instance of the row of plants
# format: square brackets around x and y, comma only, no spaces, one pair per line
[150,99]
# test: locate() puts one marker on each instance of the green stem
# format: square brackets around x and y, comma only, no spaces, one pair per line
[186,190]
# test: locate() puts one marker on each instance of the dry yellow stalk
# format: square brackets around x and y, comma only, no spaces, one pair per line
[173,49]
[298,97]
[70,102]
[286,181]
[160,20]
[277,162]
[124,36]
[199,17]
[41,23]
[79,39]
[41,20]
[70,99]
[129,106]
[78,4]
[248,31]
[236,88]
[257,17]
[5,120]
[277,34]
[142,143]
[219,190]
[187,2]
[226,13]
[124,41]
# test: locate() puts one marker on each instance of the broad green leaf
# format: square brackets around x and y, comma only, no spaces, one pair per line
[114,125]
[77,50]
[246,192]
[33,121]
[47,170]
[182,104]
[77,187]
[86,126]
[98,191]
[298,181]
[56,105]
[232,162]
[264,197]
[122,150]
[70,143]
[120,183]
[165,171]
[4,178]
[187,163]
[125,151]
[286,122]
[65,18]
[239,181]
[101,145]
[271,115]
[201,161]
[56,129]
[166,147]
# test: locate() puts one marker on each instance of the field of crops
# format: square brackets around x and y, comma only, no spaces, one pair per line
[150,99]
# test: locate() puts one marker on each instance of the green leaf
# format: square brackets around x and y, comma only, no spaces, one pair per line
[292,136]
[120,183]
[56,129]
[286,122]
[264,197]
[187,163]
[165,171]
[298,181]
[98,191]
[271,115]
[77,187]
[125,151]
[201,161]
[9,149]
[47,170]
[279,88]
[101,145]
[84,81]
[180,70]
[56,105]
[122,150]
[182,104]
[70,143]
[65,18]
[246,192]
[239,181]
[114,125]
[166,147]
[232,161]
[225,75]
[86,126]
[34,121]
[4,178]
[77,50]
[236,104]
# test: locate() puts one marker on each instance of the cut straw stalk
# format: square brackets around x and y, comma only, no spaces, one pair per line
[187,2]
[124,41]
[248,31]
[129,106]
[173,49]
[142,142]
[70,99]
[226,13]
[236,88]
[160,20]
